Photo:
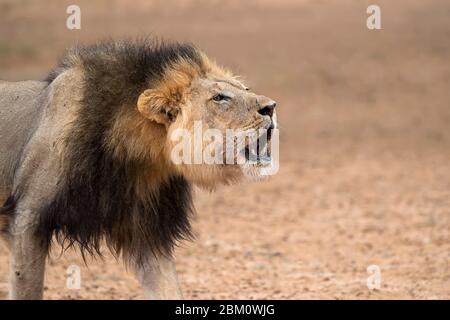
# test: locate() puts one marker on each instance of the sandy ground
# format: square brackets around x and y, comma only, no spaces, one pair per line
[365,145]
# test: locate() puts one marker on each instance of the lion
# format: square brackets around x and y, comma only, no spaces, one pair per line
[85,156]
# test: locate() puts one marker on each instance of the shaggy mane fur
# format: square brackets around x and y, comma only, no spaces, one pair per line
[101,196]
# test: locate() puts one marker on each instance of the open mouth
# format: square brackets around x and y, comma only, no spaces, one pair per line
[259,151]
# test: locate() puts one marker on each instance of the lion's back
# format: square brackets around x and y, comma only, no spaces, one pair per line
[19,112]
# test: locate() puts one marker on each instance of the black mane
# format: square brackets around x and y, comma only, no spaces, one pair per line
[138,61]
[97,199]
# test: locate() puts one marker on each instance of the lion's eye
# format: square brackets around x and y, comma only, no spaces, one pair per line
[220,97]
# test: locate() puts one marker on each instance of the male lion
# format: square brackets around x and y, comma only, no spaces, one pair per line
[85,156]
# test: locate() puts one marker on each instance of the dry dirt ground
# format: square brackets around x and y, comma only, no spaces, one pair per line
[365,145]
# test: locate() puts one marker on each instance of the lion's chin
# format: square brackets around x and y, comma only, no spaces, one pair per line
[255,171]
[209,177]
[255,163]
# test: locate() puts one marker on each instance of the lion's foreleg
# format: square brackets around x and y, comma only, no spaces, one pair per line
[27,258]
[158,277]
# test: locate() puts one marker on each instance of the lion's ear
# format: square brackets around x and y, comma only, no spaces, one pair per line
[158,106]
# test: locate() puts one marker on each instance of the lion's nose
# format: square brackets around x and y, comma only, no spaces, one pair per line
[267,109]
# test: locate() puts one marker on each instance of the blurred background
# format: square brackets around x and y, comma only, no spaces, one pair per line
[365,144]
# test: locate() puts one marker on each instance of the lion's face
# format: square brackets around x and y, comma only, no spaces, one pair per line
[227,104]
[216,127]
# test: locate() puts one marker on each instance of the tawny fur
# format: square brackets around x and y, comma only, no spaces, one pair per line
[109,134]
